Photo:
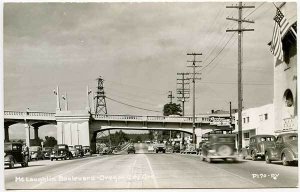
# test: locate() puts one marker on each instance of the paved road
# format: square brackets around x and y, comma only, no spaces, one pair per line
[148,170]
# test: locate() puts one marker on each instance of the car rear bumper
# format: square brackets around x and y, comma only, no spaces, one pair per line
[60,156]
[222,157]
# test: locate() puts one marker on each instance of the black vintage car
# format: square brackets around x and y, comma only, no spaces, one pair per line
[219,146]
[47,152]
[80,150]
[284,149]
[257,146]
[87,151]
[131,149]
[61,151]
[14,153]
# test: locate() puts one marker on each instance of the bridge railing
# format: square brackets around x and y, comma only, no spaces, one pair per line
[29,114]
[151,118]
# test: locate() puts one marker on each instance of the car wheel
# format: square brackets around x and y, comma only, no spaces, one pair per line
[253,156]
[267,158]
[284,160]
[12,164]
[51,159]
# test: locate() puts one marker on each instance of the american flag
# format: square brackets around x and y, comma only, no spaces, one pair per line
[280,28]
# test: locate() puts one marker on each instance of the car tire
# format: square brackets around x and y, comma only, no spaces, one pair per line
[284,160]
[253,156]
[267,158]
[51,159]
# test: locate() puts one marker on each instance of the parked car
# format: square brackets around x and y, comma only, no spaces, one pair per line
[47,151]
[80,150]
[131,149]
[285,149]
[74,151]
[150,148]
[219,146]
[257,146]
[62,152]
[160,147]
[36,153]
[87,151]
[15,154]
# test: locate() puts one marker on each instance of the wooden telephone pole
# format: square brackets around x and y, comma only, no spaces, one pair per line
[194,89]
[240,31]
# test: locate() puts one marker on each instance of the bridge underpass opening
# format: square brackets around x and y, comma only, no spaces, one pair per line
[17,132]
[118,138]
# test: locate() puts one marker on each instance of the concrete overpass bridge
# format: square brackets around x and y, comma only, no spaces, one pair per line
[81,127]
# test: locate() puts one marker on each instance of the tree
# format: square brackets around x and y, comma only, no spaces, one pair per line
[172,109]
[50,141]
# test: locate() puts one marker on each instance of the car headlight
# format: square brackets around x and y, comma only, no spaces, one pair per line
[61,152]
[53,152]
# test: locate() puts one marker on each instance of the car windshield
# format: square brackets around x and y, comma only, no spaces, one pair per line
[71,148]
[267,139]
[292,138]
[34,148]
[226,139]
[61,147]
[78,147]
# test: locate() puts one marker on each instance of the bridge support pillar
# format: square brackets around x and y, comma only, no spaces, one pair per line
[73,128]
[6,133]
[27,134]
[36,132]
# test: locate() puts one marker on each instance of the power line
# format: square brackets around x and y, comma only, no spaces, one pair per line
[129,105]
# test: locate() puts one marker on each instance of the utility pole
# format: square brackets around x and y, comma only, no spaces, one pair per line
[240,31]
[194,88]
[230,114]
[171,96]
[183,92]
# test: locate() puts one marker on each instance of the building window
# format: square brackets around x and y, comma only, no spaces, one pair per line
[248,119]
[288,97]
[244,120]
[266,116]
[246,135]
[289,45]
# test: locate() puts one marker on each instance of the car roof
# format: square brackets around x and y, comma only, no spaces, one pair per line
[262,136]
[288,134]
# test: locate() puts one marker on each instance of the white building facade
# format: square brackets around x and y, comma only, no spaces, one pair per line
[285,76]
[256,121]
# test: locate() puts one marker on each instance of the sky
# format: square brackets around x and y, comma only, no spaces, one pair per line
[138,49]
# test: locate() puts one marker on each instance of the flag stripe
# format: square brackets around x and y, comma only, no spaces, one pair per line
[281,27]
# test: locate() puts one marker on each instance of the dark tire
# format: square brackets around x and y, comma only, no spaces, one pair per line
[267,158]
[284,160]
